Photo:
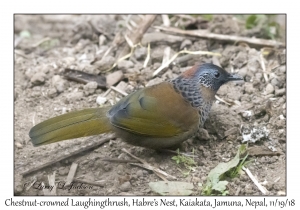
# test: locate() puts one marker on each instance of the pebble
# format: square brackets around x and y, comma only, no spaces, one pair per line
[29,73]
[74,96]
[269,89]
[154,81]
[101,100]
[281,193]
[258,76]
[105,63]
[140,173]
[68,61]
[282,69]
[125,64]
[185,43]
[140,53]
[90,88]
[203,134]
[249,88]
[63,171]
[280,92]
[102,40]
[18,145]
[59,83]
[248,189]
[244,178]
[253,64]
[120,169]
[125,187]
[114,78]
[52,92]
[240,59]
[38,78]
[269,186]
[243,71]
[275,82]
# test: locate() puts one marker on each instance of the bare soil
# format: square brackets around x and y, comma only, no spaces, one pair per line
[72,41]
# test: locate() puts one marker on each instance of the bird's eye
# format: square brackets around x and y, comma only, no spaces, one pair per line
[217,74]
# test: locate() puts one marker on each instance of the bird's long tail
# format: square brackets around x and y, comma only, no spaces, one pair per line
[75,124]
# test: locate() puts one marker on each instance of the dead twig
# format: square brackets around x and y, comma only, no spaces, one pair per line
[71,173]
[163,175]
[51,181]
[88,182]
[223,37]
[116,160]
[136,35]
[93,146]
[119,90]
[254,180]
[263,66]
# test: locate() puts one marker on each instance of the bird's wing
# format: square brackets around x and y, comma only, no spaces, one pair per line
[157,111]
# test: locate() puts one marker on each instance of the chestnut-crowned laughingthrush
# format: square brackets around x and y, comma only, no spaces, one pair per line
[159,116]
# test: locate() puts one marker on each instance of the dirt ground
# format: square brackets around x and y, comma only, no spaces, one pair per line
[46,45]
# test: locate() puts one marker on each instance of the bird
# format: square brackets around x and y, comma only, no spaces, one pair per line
[156,117]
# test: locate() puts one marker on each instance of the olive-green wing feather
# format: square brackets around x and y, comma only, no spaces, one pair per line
[157,111]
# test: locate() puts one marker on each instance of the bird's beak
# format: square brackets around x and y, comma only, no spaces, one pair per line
[234,77]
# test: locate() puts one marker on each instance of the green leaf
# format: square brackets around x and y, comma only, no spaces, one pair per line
[213,179]
[220,186]
[251,21]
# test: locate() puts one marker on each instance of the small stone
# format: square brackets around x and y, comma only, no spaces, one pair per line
[52,92]
[69,61]
[63,171]
[185,43]
[90,88]
[74,96]
[280,92]
[38,78]
[240,60]
[59,83]
[101,100]
[102,40]
[282,69]
[248,189]
[84,162]
[114,78]
[253,64]
[275,82]
[269,186]
[18,145]
[120,169]
[269,89]
[203,134]
[125,64]
[244,178]
[154,81]
[29,73]
[140,53]
[125,187]
[243,71]
[249,88]
[105,63]
[281,193]
[140,173]
[258,76]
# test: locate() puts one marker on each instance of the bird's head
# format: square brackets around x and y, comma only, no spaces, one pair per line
[210,76]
